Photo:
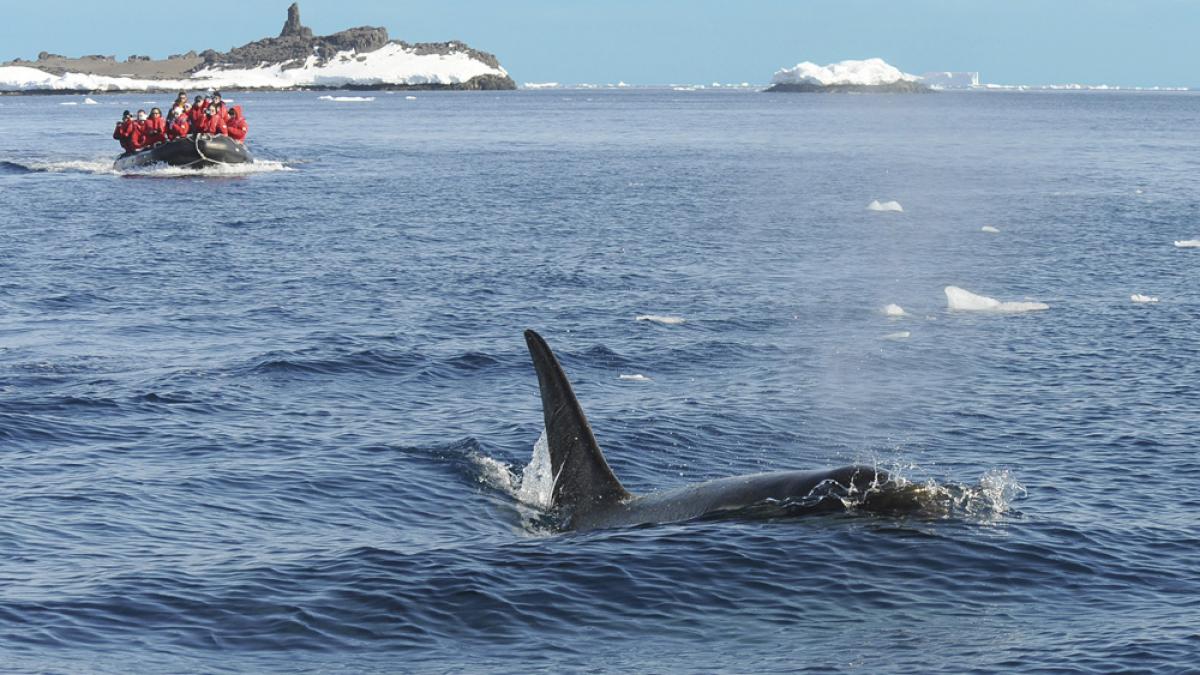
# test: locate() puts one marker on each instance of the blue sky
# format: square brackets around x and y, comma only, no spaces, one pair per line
[1125,42]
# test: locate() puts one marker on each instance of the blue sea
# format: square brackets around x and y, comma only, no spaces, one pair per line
[277,419]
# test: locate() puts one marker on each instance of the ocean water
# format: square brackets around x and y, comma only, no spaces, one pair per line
[278,420]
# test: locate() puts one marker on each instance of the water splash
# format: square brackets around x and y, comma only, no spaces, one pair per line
[104,167]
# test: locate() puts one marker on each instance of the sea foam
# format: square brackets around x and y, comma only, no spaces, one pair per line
[964,300]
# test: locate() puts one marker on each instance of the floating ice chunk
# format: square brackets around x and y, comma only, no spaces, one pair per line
[898,335]
[1188,243]
[877,205]
[1138,297]
[989,229]
[894,310]
[69,103]
[410,98]
[636,377]
[348,99]
[660,318]
[965,300]
[90,101]
[541,85]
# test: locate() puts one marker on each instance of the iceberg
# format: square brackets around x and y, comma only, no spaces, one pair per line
[661,319]
[989,229]
[868,72]
[894,310]
[964,300]
[877,205]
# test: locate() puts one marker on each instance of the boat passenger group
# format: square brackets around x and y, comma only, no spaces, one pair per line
[203,116]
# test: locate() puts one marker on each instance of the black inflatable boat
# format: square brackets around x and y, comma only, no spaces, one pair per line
[191,152]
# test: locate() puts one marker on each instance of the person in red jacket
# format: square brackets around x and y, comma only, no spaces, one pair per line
[196,114]
[137,134]
[219,104]
[124,132]
[155,128]
[236,127]
[178,126]
[212,124]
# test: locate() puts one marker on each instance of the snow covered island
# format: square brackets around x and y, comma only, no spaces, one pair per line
[870,75]
[358,58]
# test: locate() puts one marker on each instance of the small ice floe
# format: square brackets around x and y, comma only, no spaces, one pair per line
[898,335]
[636,377]
[69,103]
[989,229]
[660,318]
[348,99]
[1138,297]
[410,98]
[964,300]
[877,205]
[90,101]
[894,310]
[1188,243]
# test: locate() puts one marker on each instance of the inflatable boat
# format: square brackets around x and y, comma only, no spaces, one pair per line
[191,152]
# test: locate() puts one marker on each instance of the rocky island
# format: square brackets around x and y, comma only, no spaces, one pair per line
[358,58]
[866,76]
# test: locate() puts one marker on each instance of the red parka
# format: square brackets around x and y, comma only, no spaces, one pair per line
[137,134]
[179,127]
[155,130]
[196,114]
[236,125]
[212,124]
[123,134]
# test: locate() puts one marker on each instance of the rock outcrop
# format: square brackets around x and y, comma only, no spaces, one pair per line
[296,50]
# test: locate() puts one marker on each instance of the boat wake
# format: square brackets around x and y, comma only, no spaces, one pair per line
[104,167]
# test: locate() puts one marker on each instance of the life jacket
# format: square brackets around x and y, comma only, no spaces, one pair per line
[237,127]
[155,130]
[179,127]
[222,111]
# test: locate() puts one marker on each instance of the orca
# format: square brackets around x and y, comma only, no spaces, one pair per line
[589,496]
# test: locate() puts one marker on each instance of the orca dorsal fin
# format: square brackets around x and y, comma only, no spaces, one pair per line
[582,477]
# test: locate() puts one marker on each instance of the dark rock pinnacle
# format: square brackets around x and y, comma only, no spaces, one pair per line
[293,27]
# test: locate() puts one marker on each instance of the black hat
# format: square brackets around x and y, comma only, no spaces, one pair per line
[126,114]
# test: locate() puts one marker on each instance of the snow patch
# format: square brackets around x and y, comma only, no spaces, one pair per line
[1188,243]
[964,300]
[894,310]
[1138,297]
[869,72]
[989,229]
[877,205]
